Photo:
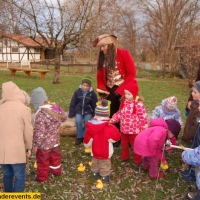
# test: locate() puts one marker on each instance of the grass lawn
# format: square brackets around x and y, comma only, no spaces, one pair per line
[128,181]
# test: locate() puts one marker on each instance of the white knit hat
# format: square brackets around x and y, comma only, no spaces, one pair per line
[171,103]
[38,97]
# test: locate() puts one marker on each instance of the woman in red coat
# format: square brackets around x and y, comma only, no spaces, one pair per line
[115,68]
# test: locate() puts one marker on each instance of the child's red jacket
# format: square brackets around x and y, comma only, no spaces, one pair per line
[99,136]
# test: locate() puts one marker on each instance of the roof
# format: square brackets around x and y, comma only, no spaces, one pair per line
[26,40]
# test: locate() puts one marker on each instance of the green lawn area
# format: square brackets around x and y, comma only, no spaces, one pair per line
[128,181]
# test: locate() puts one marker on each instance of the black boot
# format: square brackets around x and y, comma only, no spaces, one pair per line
[191,176]
[194,195]
[78,141]
[193,188]
[197,197]
[117,144]
[186,172]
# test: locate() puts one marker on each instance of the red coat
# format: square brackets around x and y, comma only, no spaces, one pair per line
[126,68]
[100,136]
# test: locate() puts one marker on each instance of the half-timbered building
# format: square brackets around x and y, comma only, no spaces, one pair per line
[18,48]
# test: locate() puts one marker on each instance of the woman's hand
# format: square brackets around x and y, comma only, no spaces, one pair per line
[102,93]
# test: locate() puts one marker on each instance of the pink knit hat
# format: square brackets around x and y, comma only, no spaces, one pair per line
[171,104]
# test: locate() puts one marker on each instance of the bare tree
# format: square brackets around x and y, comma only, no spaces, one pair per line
[189,51]
[165,21]
[118,19]
[127,27]
[2,18]
[59,23]
[10,19]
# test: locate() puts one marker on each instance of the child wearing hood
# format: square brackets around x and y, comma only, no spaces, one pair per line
[150,144]
[46,136]
[167,110]
[99,136]
[133,119]
[16,134]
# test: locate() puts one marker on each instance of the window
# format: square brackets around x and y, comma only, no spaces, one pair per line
[1,50]
[37,50]
[14,49]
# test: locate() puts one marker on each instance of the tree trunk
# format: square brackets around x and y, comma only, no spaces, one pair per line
[164,64]
[56,79]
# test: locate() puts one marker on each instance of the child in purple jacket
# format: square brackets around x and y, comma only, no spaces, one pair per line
[150,143]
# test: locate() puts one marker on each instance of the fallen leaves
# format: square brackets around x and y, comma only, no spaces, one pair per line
[128,182]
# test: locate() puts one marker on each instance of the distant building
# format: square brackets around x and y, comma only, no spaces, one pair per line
[18,48]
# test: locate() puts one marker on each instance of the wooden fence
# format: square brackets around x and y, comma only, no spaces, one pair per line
[66,67]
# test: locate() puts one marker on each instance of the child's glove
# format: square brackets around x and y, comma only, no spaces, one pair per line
[164,165]
[168,143]
[110,122]
[117,96]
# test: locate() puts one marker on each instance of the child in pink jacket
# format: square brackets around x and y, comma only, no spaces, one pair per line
[133,119]
[150,143]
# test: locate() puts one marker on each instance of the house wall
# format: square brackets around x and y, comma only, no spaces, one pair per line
[24,53]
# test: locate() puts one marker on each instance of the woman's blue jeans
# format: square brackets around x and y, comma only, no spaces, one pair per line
[81,121]
[16,171]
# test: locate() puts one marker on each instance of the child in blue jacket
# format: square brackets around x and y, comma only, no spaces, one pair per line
[192,157]
[82,107]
